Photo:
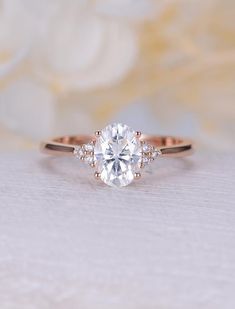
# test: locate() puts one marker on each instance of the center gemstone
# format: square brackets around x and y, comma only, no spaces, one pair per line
[117,154]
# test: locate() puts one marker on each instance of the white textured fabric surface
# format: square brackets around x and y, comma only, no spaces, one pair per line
[68,241]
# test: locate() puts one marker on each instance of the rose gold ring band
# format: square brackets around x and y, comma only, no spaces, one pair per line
[168,145]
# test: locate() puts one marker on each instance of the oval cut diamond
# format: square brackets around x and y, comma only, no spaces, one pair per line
[117,154]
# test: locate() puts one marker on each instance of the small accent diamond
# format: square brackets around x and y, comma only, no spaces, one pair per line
[77,151]
[149,153]
[85,153]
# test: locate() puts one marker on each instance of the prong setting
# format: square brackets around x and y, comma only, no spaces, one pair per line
[98,133]
[137,175]
[97,175]
[138,134]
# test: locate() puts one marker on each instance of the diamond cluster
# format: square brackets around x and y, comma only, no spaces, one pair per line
[118,154]
[85,153]
[149,153]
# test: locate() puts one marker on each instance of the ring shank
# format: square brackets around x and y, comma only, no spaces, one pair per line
[169,146]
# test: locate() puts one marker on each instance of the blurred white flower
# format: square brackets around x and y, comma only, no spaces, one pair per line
[70,48]
[82,51]
[43,11]
[15,35]
[68,45]
[74,47]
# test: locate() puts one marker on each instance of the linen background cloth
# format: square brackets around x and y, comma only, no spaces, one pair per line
[69,241]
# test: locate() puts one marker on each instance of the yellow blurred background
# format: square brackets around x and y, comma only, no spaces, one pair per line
[73,66]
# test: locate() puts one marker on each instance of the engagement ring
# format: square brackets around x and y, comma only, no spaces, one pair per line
[118,153]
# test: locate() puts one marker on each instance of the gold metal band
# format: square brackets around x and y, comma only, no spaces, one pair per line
[168,145]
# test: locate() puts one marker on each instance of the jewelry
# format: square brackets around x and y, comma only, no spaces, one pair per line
[117,152]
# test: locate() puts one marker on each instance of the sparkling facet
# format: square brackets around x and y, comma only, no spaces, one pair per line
[117,154]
